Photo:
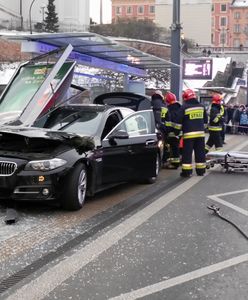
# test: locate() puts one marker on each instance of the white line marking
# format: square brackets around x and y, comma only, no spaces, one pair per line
[157,287]
[228,204]
[41,286]
[50,279]
[230,193]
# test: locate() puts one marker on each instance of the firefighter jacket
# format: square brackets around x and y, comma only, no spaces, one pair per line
[174,111]
[216,117]
[193,119]
[161,115]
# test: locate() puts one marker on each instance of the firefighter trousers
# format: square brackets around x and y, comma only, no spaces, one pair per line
[174,150]
[215,139]
[198,146]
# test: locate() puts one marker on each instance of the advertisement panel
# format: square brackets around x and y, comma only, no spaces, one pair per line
[27,82]
[197,68]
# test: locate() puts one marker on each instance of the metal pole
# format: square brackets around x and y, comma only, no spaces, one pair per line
[176,50]
[30,19]
[21,15]
[100,11]
[247,87]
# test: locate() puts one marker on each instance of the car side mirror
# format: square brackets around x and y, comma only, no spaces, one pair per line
[120,134]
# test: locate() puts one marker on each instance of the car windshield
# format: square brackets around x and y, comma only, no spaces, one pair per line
[83,122]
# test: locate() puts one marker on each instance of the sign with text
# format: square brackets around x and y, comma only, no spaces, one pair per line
[200,68]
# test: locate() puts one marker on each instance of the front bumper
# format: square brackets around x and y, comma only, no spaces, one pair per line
[32,185]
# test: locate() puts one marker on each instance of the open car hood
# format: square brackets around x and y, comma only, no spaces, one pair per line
[34,135]
[125,99]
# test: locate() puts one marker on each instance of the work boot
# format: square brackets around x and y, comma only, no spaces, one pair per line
[185,175]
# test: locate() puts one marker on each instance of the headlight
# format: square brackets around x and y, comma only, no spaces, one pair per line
[45,165]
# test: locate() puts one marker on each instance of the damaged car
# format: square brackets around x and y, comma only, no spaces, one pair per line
[52,147]
[79,151]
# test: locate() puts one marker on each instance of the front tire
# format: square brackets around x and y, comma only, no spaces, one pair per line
[73,196]
[151,180]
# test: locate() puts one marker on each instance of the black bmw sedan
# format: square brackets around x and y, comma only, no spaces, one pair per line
[78,150]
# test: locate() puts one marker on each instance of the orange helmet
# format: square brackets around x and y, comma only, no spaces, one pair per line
[216,99]
[170,98]
[188,94]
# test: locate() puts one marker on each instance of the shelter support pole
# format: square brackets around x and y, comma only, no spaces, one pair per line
[176,82]
[125,82]
[247,87]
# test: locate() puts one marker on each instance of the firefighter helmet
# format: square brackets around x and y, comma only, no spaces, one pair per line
[170,98]
[216,99]
[188,94]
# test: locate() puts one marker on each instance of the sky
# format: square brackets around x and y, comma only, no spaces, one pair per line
[95,10]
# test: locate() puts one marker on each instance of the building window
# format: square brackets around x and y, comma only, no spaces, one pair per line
[237,15]
[236,43]
[236,28]
[246,29]
[223,21]
[118,10]
[223,8]
[152,9]
[129,10]
[246,16]
[246,43]
[141,9]
[212,22]
[212,7]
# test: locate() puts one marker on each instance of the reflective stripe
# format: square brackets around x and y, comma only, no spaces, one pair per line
[197,109]
[218,149]
[164,111]
[175,160]
[214,128]
[167,123]
[187,167]
[176,125]
[207,147]
[200,165]
[193,134]
[172,134]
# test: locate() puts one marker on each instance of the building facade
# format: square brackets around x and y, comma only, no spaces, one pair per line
[133,9]
[195,17]
[239,23]
[73,15]
[230,23]
[221,31]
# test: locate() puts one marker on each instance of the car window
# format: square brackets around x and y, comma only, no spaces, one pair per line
[113,119]
[140,123]
[85,122]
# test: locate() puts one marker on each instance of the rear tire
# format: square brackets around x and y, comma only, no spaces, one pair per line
[73,196]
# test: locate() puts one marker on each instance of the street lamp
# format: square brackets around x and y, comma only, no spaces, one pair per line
[223,36]
[30,19]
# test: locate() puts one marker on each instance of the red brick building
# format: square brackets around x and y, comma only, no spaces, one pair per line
[133,9]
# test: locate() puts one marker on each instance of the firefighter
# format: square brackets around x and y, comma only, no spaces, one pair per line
[193,119]
[162,120]
[215,126]
[174,135]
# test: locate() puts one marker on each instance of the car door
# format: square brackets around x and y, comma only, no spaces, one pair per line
[130,149]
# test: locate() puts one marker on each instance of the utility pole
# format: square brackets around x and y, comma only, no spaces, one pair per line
[176,80]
